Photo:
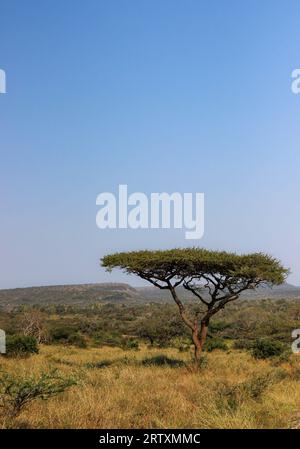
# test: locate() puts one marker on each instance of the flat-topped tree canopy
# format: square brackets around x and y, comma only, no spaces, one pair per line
[179,264]
[223,276]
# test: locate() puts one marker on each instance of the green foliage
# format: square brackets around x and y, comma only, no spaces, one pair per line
[228,397]
[215,343]
[113,339]
[77,340]
[131,344]
[191,262]
[60,334]
[18,392]
[203,362]
[257,385]
[215,278]
[218,326]
[284,357]
[231,397]
[264,348]
[21,346]
[243,343]
[100,364]
[240,322]
[162,360]
[161,327]
[66,335]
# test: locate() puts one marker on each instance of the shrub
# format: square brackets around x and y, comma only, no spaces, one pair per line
[243,344]
[131,344]
[162,360]
[257,385]
[228,397]
[67,335]
[216,326]
[295,368]
[17,392]
[60,334]
[77,340]
[203,362]
[99,364]
[284,357]
[215,343]
[232,396]
[108,339]
[21,346]
[264,349]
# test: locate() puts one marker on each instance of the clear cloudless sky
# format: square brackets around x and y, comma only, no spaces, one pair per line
[186,96]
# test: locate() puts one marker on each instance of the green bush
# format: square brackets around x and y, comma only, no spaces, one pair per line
[162,360]
[215,343]
[217,326]
[17,392]
[21,346]
[77,340]
[284,357]
[108,339]
[264,348]
[257,385]
[203,362]
[131,344]
[228,397]
[99,364]
[243,344]
[60,334]
[67,335]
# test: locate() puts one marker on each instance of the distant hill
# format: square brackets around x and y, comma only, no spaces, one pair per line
[85,294]
[281,291]
[81,294]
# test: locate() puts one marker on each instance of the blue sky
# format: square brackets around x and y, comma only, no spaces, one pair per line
[187,96]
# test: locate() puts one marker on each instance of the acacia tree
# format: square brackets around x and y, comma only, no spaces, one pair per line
[215,278]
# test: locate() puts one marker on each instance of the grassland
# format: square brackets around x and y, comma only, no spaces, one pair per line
[131,389]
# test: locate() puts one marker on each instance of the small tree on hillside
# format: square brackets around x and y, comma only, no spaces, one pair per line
[32,324]
[215,278]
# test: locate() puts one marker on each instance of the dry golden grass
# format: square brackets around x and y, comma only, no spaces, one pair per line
[127,394]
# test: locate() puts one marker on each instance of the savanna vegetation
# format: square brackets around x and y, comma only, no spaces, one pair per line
[79,367]
[214,278]
[131,364]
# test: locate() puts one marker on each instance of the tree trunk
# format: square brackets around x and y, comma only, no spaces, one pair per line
[197,345]
[199,340]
